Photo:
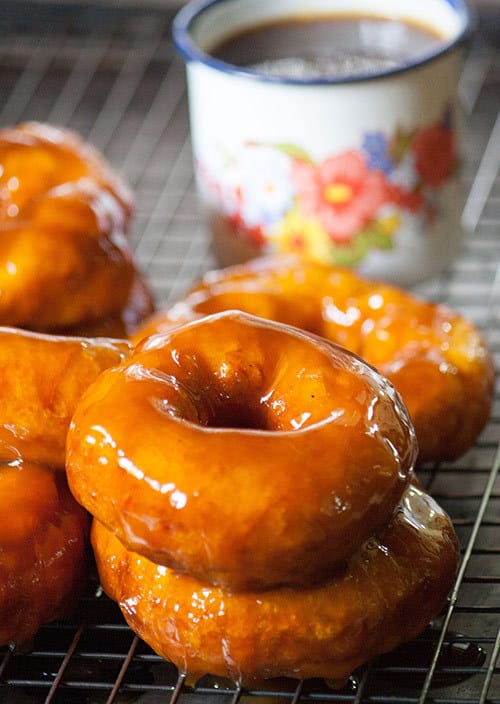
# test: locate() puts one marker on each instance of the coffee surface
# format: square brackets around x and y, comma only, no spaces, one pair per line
[327,46]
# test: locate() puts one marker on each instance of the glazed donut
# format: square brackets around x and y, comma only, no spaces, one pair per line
[244,452]
[43,531]
[385,594]
[436,359]
[123,324]
[43,377]
[64,259]
[43,549]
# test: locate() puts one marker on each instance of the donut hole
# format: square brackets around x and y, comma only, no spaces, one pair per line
[274,412]
[241,372]
[288,393]
[238,413]
[232,394]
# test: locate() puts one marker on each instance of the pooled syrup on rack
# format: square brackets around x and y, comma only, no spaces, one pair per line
[327,46]
[458,659]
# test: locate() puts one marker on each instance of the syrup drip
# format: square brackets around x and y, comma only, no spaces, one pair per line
[456,663]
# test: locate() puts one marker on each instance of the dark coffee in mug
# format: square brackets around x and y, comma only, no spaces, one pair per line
[327,46]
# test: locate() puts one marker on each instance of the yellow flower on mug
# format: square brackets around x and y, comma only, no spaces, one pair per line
[307,235]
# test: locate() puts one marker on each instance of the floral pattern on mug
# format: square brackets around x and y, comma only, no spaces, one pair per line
[337,209]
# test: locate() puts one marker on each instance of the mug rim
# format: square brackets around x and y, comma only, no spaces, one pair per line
[191,52]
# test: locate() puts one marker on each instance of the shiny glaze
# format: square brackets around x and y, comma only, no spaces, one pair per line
[241,451]
[139,306]
[388,590]
[43,531]
[43,549]
[436,359]
[64,259]
[43,377]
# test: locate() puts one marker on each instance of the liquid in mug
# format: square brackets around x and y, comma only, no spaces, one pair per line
[323,47]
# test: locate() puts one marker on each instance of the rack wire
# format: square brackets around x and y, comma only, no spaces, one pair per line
[111,74]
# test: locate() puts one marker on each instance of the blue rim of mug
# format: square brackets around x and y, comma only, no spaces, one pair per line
[190,52]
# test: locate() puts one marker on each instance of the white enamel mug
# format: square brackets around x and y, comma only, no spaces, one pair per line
[360,171]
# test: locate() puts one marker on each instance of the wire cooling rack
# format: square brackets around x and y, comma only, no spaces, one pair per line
[111,74]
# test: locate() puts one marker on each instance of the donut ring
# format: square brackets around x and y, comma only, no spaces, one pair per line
[122,324]
[435,358]
[252,422]
[43,377]
[43,531]
[64,258]
[43,549]
[388,591]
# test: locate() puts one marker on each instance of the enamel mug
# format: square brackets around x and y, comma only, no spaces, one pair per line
[357,169]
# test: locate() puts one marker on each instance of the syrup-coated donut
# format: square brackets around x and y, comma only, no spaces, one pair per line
[437,360]
[123,324]
[64,259]
[43,531]
[43,377]
[241,451]
[43,548]
[386,593]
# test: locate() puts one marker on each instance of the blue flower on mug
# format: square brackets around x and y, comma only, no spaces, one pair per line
[376,148]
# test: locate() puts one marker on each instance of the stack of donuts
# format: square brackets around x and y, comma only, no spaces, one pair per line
[248,458]
[262,518]
[65,267]
[43,530]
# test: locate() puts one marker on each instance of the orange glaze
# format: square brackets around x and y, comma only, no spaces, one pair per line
[241,451]
[64,259]
[43,377]
[43,549]
[386,593]
[437,360]
[139,306]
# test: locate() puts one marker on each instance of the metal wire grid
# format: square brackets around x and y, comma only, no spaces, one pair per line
[111,74]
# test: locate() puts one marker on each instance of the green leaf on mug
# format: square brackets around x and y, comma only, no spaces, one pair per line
[294,152]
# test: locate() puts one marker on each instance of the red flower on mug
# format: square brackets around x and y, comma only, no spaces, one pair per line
[254,233]
[435,154]
[409,199]
[342,192]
